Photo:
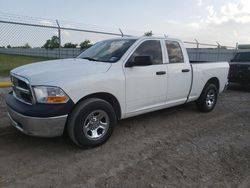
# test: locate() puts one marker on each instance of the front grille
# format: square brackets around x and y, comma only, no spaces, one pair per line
[21,89]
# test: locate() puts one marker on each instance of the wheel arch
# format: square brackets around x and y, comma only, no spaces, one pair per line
[215,81]
[107,97]
[201,101]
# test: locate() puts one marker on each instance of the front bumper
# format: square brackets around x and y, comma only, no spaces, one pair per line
[36,126]
[42,120]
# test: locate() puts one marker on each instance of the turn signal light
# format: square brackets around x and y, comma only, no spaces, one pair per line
[57,99]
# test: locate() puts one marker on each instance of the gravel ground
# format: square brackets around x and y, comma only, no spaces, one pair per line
[177,147]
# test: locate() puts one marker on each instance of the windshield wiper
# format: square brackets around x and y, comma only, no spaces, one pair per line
[90,58]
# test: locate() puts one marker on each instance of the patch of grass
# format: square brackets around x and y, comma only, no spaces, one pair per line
[8,62]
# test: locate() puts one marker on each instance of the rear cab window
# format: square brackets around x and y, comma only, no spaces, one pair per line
[175,54]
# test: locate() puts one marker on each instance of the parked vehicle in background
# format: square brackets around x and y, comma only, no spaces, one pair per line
[112,80]
[240,68]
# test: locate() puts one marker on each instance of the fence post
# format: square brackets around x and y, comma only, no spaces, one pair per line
[236,47]
[121,32]
[197,49]
[235,50]
[59,36]
[218,53]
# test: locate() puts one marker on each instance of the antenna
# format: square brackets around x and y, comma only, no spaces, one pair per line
[121,32]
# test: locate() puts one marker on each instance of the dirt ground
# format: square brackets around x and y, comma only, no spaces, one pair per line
[177,147]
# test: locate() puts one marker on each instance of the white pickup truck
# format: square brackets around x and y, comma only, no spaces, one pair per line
[112,80]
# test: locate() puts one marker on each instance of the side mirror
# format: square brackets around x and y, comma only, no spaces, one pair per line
[140,61]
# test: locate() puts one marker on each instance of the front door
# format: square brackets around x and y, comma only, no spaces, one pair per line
[146,85]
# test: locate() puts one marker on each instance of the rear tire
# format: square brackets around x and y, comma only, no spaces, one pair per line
[208,98]
[91,123]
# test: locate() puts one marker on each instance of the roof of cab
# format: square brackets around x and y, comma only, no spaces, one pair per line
[146,37]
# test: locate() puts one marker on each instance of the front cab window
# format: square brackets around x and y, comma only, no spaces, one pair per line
[148,53]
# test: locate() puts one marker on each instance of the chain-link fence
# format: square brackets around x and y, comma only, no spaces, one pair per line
[198,51]
[43,37]
[32,36]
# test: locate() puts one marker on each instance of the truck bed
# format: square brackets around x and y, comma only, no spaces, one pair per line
[203,71]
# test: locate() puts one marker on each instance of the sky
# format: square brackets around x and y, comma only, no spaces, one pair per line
[208,21]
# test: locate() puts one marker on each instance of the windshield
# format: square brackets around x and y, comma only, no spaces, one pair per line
[107,51]
[242,57]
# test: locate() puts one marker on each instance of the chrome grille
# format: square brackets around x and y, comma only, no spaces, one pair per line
[21,90]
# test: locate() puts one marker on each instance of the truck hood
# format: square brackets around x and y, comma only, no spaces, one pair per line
[50,71]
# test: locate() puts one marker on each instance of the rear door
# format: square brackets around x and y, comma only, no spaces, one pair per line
[179,73]
[146,85]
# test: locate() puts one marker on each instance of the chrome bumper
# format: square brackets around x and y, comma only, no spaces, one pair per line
[36,126]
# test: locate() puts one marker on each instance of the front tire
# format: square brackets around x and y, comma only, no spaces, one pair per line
[91,123]
[208,98]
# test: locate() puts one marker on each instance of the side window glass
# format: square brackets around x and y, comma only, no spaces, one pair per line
[175,54]
[150,48]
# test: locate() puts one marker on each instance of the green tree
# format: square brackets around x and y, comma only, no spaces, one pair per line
[70,45]
[85,44]
[52,43]
[8,46]
[148,34]
[27,45]
[47,44]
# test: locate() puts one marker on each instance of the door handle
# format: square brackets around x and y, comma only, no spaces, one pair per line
[160,72]
[185,70]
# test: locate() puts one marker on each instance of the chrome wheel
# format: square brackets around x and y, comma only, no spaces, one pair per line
[210,99]
[96,124]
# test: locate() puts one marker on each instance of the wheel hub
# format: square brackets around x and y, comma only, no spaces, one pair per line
[210,99]
[96,124]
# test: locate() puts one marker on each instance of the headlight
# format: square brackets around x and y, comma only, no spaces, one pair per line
[51,95]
